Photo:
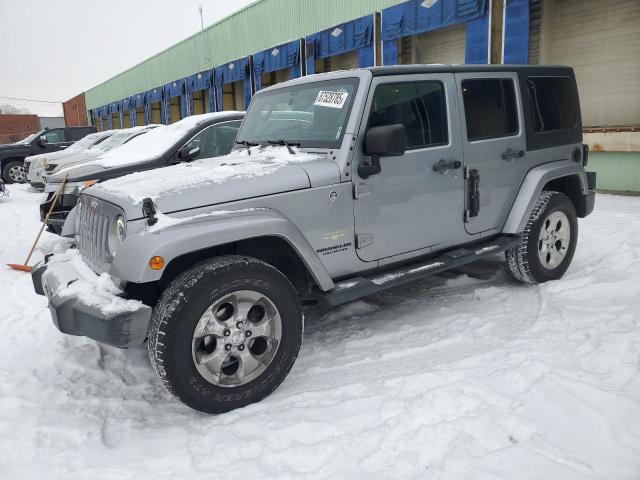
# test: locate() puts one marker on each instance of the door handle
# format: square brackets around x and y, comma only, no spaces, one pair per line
[510,154]
[443,165]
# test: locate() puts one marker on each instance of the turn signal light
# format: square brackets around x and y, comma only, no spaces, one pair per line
[156,263]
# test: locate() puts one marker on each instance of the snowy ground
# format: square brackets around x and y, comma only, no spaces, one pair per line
[466,377]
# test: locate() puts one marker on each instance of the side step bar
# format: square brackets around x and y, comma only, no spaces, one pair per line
[358,287]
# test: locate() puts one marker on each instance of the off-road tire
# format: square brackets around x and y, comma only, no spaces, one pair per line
[523,261]
[181,306]
[6,172]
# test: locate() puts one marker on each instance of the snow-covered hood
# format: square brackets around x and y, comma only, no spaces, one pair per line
[220,180]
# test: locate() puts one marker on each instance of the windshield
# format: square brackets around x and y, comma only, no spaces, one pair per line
[83,143]
[117,139]
[309,115]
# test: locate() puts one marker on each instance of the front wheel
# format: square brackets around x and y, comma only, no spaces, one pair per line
[13,172]
[548,241]
[226,333]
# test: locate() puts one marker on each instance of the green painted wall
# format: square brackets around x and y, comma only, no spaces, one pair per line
[261,25]
[617,171]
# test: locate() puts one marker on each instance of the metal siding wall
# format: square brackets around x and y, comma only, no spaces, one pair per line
[601,41]
[237,36]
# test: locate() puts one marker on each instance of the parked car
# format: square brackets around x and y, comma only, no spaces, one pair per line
[194,137]
[376,178]
[115,141]
[49,140]
[35,166]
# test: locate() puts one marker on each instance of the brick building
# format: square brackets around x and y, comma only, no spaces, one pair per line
[75,111]
[14,128]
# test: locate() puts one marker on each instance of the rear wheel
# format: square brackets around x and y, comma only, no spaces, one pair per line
[548,241]
[13,172]
[226,333]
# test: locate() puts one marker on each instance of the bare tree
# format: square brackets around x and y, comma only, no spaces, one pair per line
[11,110]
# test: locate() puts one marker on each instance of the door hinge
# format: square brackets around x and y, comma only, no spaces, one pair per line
[361,189]
[364,240]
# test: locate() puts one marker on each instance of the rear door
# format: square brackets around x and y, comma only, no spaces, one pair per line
[410,206]
[495,158]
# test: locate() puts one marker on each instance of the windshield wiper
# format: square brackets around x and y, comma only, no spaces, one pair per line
[284,143]
[246,144]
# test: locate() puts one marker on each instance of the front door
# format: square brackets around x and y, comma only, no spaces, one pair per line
[495,157]
[416,202]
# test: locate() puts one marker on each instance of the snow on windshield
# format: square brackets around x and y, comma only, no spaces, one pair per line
[154,143]
[84,143]
[238,164]
[119,138]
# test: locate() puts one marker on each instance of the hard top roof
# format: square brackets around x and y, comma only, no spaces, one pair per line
[445,68]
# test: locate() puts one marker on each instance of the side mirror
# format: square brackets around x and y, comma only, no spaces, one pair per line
[384,141]
[185,153]
[42,141]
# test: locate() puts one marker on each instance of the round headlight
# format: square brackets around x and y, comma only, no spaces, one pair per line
[117,232]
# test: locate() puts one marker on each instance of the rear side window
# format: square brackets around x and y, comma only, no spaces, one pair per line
[419,106]
[552,103]
[490,108]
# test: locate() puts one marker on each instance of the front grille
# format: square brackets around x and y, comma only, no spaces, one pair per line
[93,217]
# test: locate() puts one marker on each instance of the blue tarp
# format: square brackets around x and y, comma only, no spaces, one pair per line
[198,82]
[346,37]
[419,16]
[233,72]
[277,58]
[516,32]
[152,96]
[172,90]
[95,116]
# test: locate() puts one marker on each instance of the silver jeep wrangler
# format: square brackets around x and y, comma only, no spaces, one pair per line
[339,186]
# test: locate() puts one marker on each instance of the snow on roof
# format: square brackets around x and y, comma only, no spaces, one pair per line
[238,164]
[156,142]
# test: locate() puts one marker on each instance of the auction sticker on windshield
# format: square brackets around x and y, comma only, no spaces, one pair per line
[331,99]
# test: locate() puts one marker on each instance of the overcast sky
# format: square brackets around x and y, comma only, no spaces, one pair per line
[54,49]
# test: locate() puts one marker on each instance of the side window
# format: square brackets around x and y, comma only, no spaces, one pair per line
[490,108]
[419,106]
[205,140]
[225,135]
[54,136]
[552,103]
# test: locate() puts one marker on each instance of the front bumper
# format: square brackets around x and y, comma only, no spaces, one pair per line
[73,315]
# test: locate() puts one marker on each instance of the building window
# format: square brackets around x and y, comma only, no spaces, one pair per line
[490,108]
[419,106]
[552,103]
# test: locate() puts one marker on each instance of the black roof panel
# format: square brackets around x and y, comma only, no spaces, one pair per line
[434,68]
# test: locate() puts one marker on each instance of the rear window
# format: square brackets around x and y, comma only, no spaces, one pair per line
[490,108]
[552,103]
